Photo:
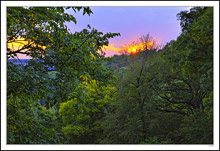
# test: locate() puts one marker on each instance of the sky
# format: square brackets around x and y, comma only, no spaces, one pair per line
[132,23]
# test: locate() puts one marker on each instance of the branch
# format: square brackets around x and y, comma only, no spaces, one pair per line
[14,52]
[140,74]
[13,36]
[176,102]
[20,50]
[174,111]
[131,83]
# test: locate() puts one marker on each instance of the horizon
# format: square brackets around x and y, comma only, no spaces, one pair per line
[160,23]
[132,23]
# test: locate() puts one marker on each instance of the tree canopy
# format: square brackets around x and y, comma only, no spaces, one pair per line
[68,92]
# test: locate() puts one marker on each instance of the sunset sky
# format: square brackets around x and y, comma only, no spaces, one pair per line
[131,22]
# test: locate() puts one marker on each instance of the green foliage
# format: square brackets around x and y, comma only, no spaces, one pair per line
[133,105]
[167,97]
[83,113]
[75,59]
[151,97]
[154,140]
[198,128]
[187,18]
[79,57]
[189,61]
[38,26]
[29,123]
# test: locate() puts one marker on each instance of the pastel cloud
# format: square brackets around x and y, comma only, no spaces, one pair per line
[110,50]
[111,47]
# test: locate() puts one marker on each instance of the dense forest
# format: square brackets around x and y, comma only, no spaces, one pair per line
[69,93]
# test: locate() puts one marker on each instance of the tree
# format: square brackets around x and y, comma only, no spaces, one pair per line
[79,57]
[83,112]
[45,38]
[189,80]
[187,18]
[30,123]
[177,86]
[185,86]
[145,42]
[37,26]
[136,119]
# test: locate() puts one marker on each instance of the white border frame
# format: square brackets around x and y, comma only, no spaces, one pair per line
[214,4]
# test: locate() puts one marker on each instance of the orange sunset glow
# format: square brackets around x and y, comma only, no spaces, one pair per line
[19,43]
[130,49]
[134,48]
[110,49]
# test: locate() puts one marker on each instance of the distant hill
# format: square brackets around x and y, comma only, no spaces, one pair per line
[19,61]
[117,62]
[24,62]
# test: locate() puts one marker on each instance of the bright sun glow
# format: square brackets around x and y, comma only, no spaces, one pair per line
[139,47]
